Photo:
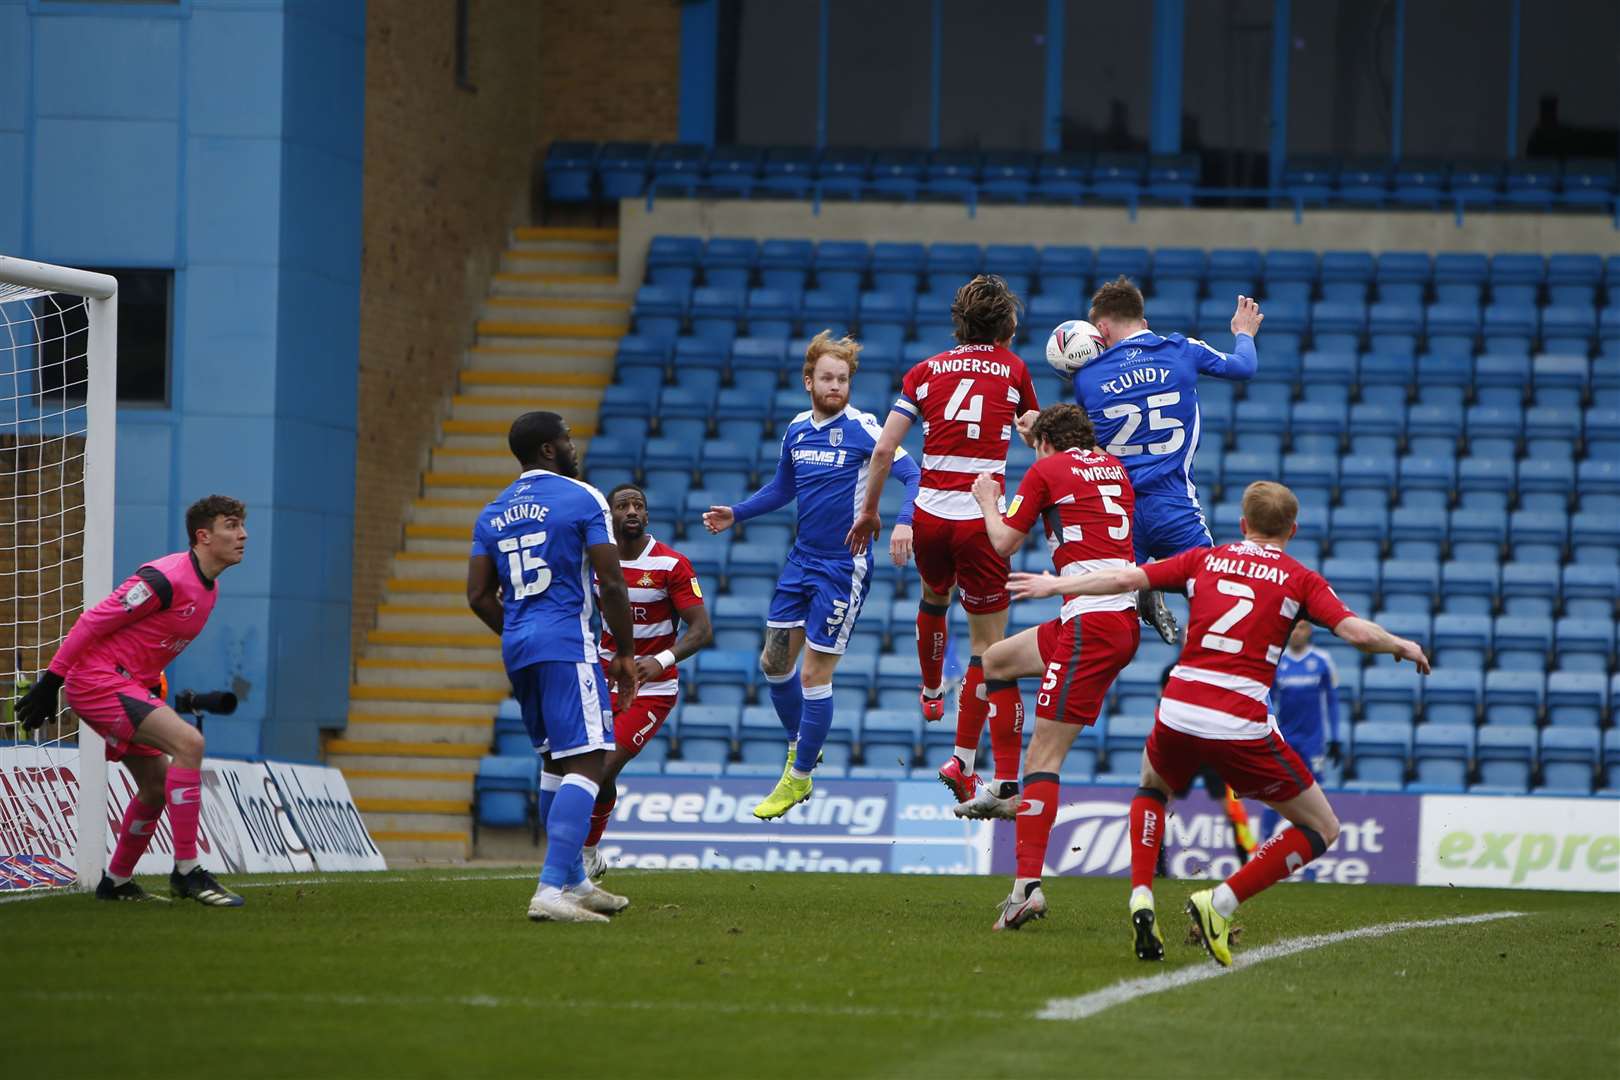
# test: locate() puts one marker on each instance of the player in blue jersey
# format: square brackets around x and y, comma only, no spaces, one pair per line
[821,589]
[1141,393]
[529,579]
[1305,700]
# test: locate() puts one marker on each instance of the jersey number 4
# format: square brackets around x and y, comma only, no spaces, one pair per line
[522,561]
[969,410]
[1156,421]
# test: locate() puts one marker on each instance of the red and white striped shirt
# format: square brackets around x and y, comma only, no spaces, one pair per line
[660,581]
[967,399]
[1244,600]
[1084,499]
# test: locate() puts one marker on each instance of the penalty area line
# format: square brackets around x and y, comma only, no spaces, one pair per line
[1088,1005]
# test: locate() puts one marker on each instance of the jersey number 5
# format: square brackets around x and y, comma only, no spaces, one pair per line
[1157,421]
[521,561]
[1216,640]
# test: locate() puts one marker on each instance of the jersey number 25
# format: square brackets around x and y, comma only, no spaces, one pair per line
[1156,421]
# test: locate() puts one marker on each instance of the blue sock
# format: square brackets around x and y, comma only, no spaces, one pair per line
[567,825]
[549,783]
[818,714]
[787,697]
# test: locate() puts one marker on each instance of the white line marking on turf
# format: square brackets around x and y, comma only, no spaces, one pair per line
[1079,1008]
[360,878]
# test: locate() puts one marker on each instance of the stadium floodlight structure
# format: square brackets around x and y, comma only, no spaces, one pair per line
[58,403]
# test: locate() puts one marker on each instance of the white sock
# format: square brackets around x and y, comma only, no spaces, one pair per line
[184,866]
[798,773]
[933,691]
[1225,901]
[1142,892]
[1021,886]
[584,887]
[549,893]
[967,756]
[588,850]
[116,880]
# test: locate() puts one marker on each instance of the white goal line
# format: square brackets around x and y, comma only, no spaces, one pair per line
[1087,1005]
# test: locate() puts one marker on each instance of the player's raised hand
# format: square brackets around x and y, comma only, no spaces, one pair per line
[1411,650]
[861,532]
[37,706]
[719,518]
[1025,423]
[1247,318]
[1032,586]
[900,544]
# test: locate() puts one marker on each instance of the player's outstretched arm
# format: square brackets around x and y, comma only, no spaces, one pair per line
[867,523]
[777,493]
[1003,537]
[1098,583]
[483,592]
[615,603]
[1369,637]
[910,474]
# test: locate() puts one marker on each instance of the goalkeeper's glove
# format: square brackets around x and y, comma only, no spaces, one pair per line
[37,706]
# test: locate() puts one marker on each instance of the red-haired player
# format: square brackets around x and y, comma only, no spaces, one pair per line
[664,590]
[1244,599]
[970,399]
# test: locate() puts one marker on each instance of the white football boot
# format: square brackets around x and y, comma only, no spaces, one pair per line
[987,804]
[596,866]
[553,905]
[1017,910]
[593,897]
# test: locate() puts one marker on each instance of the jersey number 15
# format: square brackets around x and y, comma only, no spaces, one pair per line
[522,561]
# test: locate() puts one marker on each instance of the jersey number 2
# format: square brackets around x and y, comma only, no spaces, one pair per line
[521,561]
[1216,640]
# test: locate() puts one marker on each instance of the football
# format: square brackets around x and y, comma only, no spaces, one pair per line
[1072,346]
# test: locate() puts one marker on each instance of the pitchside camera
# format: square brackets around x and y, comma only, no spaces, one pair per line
[218,702]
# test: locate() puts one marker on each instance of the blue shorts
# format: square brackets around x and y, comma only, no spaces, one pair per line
[824,595]
[1166,525]
[565,707]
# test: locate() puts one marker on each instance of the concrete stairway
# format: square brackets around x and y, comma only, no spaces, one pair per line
[429,677]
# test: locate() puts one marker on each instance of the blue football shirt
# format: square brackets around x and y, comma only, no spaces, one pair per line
[537,532]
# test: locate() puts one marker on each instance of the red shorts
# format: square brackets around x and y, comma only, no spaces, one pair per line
[959,553]
[1267,769]
[1083,657]
[114,706]
[634,727]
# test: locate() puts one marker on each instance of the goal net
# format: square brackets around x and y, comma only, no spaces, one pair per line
[57,402]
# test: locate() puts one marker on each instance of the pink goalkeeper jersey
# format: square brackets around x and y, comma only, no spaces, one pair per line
[143,625]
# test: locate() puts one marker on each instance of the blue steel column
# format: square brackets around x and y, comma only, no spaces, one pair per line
[1169,28]
[1282,41]
[700,46]
[1053,126]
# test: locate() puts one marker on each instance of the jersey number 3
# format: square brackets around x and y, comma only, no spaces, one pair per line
[522,561]
[1156,420]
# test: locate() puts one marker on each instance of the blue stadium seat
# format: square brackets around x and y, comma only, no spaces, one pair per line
[1577,698]
[1441,754]
[1007,176]
[1409,270]
[827,309]
[1523,642]
[1611,762]
[1531,184]
[759,353]
[773,312]
[1514,697]
[897,174]
[677,168]
[785,264]
[728,261]
[1453,696]
[1573,278]
[1390,693]
[1015,263]
[1588,184]
[951,175]
[840,265]
[1506,756]
[1469,587]
[1528,589]
[1585,644]
[1569,329]
[1338,325]
[621,169]
[842,173]
[891,735]
[950,265]
[1061,178]
[1569,759]
[505,791]
[1462,271]
[788,172]
[1452,328]
[1590,589]
[1382,749]
[569,168]
[1418,184]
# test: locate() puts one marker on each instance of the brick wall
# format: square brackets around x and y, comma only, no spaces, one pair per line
[447,173]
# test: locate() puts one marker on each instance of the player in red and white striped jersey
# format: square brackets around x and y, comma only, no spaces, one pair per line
[663,589]
[1244,599]
[1083,498]
[970,400]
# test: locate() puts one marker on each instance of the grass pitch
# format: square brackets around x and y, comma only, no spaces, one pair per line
[436,973]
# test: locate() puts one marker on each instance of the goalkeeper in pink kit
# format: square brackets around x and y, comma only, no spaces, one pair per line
[109,668]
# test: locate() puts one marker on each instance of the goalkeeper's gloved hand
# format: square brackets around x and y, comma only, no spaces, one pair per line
[37,706]
[1335,752]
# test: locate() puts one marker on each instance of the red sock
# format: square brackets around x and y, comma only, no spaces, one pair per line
[1147,835]
[601,812]
[1034,824]
[183,792]
[971,709]
[931,643]
[134,833]
[1279,857]
[1006,710]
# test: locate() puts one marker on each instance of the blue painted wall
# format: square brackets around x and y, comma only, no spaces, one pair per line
[221,138]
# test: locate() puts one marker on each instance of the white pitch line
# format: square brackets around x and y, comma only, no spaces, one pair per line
[1086,1005]
[360,878]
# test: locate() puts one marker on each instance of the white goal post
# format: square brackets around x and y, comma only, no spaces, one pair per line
[58,415]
